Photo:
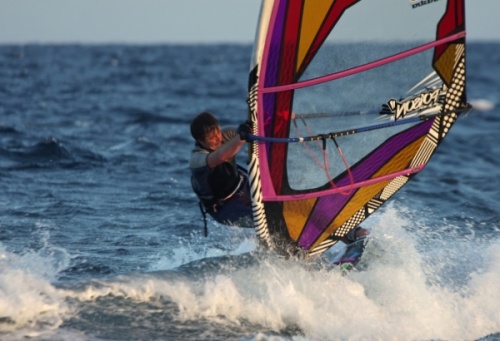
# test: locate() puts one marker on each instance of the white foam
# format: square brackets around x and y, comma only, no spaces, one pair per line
[395,297]
[482,104]
[398,294]
[29,304]
[223,240]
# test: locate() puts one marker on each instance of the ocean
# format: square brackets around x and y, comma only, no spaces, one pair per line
[101,237]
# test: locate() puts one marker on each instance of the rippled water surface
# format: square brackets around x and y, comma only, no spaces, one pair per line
[101,237]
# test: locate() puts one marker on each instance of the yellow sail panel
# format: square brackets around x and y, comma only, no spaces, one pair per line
[296,213]
[313,15]
[446,63]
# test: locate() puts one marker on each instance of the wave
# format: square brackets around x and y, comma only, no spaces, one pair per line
[30,306]
[411,284]
[146,118]
[49,153]
[8,130]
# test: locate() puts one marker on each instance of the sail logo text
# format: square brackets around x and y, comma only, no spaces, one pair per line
[418,3]
[424,100]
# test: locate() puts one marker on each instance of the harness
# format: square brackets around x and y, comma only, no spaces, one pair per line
[211,204]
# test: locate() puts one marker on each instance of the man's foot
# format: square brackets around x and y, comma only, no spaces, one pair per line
[361,233]
[356,242]
[355,234]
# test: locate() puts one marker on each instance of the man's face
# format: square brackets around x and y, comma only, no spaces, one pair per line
[212,140]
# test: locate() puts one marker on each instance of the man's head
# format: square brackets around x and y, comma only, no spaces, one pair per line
[206,130]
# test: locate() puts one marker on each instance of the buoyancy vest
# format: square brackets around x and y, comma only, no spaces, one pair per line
[215,185]
[224,180]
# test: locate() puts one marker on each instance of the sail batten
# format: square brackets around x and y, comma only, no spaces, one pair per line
[361,68]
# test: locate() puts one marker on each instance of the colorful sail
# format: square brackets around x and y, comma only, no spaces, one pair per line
[348,101]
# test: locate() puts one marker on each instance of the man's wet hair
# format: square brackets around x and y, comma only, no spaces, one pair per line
[203,124]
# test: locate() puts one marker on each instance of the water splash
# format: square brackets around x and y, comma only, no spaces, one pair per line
[398,292]
[30,305]
[482,104]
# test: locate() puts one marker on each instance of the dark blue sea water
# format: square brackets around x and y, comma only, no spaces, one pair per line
[101,237]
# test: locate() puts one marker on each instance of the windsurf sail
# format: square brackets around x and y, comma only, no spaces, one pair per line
[348,101]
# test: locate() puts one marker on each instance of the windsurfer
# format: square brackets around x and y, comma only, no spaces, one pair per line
[220,184]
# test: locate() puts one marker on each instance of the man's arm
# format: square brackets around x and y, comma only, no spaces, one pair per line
[225,152]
